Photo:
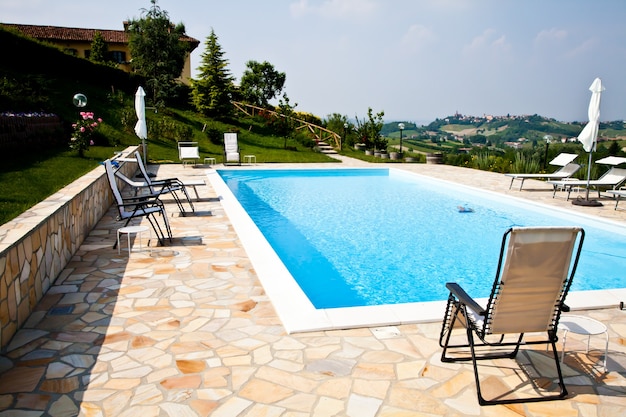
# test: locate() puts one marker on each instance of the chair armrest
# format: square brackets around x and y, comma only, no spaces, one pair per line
[464,298]
[565,307]
[167,181]
[141,200]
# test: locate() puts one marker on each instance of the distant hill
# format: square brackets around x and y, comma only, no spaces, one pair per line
[503,129]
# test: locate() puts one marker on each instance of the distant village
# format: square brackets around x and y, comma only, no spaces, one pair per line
[565,132]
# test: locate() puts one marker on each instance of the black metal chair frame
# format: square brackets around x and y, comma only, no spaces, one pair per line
[459,302]
[165,185]
[140,206]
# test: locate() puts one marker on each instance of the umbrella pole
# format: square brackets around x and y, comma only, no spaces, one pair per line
[585,201]
[588,176]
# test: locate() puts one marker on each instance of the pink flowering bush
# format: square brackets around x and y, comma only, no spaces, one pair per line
[82,132]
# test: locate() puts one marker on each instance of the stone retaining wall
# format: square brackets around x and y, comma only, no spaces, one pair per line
[31,131]
[36,246]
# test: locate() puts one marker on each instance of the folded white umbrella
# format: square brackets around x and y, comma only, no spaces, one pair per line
[141,128]
[589,135]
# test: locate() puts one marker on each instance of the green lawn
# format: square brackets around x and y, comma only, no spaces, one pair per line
[28,178]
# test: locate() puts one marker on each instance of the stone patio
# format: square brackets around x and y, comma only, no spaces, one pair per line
[187,330]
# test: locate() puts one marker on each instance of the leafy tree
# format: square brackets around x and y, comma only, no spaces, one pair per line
[261,82]
[99,49]
[285,123]
[369,130]
[157,51]
[337,123]
[212,92]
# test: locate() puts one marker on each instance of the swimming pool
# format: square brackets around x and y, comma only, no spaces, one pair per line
[302,205]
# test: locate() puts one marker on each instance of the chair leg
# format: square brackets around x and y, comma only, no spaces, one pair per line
[189,199]
[176,199]
[157,230]
[167,224]
[482,401]
[447,333]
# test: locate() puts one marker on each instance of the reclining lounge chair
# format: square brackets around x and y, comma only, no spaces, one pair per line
[618,194]
[138,206]
[168,185]
[534,274]
[564,160]
[564,172]
[611,179]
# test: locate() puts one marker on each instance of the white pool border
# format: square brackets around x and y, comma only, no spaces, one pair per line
[298,314]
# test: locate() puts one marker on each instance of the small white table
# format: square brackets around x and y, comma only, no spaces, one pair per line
[585,326]
[210,161]
[129,230]
[249,159]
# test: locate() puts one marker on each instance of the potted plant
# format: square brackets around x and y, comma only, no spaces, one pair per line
[369,132]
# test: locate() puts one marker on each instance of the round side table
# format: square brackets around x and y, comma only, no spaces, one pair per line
[129,230]
[585,326]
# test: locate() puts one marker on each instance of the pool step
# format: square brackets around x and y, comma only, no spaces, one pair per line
[326,148]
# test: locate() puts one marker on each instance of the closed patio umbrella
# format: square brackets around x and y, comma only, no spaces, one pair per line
[589,136]
[141,128]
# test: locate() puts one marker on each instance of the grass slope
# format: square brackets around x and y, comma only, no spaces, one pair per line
[47,79]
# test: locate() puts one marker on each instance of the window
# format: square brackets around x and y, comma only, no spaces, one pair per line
[118,56]
[71,51]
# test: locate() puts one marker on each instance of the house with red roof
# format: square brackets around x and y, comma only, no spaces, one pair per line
[78,41]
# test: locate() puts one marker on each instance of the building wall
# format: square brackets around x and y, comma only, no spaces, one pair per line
[81,49]
[78,42]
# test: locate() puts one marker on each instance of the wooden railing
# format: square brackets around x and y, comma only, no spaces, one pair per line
[321,133]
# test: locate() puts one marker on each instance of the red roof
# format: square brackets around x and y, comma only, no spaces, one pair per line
[58,33]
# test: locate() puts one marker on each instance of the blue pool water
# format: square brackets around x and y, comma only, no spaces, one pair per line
[354,237]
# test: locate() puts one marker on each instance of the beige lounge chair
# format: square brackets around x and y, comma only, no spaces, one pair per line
[534,275]
[611,179]
[564,172]
[188,152]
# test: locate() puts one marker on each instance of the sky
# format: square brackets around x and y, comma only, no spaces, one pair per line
[416,60]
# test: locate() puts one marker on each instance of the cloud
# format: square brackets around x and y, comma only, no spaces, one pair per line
[416,37]
[582,49]
[487,42]
[334,9]
[550,36]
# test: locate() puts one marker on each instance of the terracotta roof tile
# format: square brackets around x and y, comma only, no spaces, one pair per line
[57,33]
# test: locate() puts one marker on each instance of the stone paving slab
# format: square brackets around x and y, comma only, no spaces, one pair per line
[187,330]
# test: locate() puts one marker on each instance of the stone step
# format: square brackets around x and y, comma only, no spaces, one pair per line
[325,148]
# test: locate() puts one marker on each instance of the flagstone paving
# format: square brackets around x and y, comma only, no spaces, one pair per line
[187,330]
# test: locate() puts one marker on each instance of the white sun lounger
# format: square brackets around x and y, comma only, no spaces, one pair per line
[188,152]
[232,153]
[617,194]
[564,172]
[611,179]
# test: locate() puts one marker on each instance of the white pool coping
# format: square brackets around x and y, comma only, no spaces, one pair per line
[298,314]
